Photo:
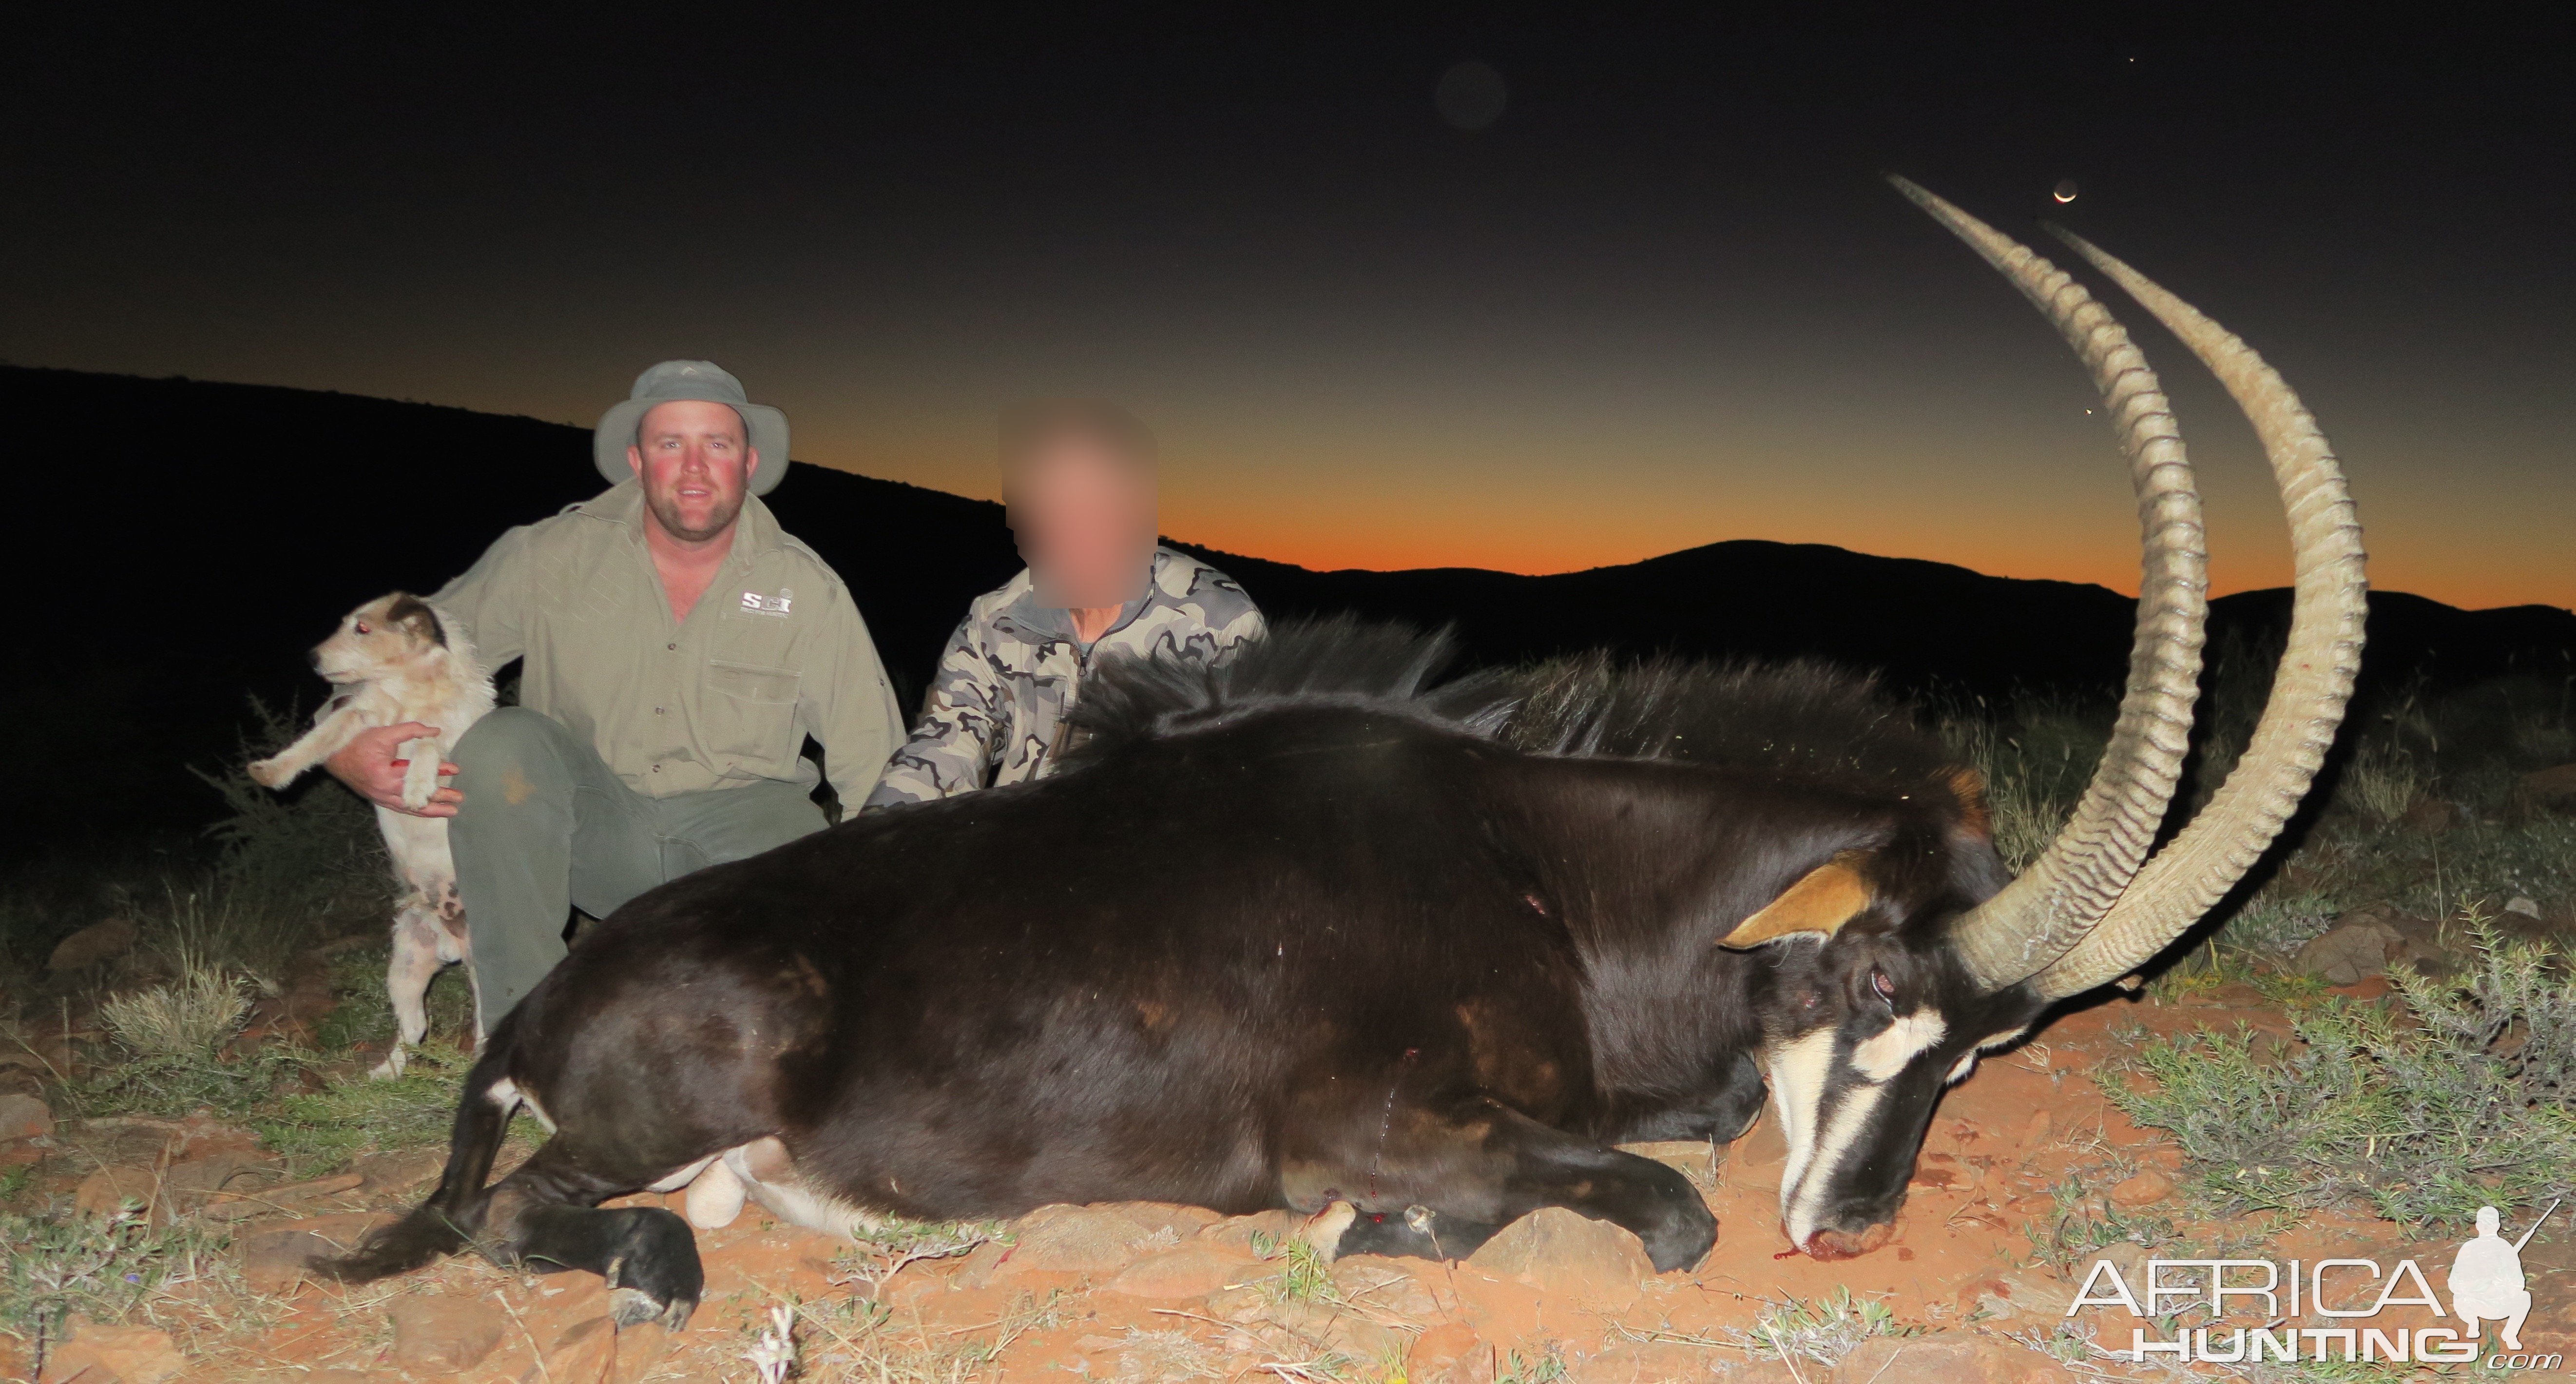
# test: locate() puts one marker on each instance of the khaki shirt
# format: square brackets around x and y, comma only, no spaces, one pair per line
[773,652]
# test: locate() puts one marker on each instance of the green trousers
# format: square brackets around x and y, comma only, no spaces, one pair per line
[546,826]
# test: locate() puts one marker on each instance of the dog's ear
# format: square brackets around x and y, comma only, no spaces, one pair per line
[411,610]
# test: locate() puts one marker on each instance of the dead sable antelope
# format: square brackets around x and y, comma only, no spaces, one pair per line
[1435,950]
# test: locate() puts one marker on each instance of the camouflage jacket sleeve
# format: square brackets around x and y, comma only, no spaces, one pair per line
[962,720]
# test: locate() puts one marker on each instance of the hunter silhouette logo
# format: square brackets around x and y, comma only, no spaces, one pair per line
[2487,1282]
[2486,1285]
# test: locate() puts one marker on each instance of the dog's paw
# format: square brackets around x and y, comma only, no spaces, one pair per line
[420,781]
[271,773]
[391,1067]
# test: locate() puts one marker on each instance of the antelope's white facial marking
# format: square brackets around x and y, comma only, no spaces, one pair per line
[1798,1069]
[1968,1060]
[1826,1105]
[1881,1057]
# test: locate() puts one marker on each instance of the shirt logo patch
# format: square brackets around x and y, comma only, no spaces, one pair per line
[757,604]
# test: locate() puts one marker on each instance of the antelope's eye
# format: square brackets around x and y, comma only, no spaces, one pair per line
[362,628]
[1886,988]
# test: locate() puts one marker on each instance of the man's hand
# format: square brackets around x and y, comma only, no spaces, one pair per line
[370,766]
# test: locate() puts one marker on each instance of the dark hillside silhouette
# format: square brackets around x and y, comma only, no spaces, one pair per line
[188,541]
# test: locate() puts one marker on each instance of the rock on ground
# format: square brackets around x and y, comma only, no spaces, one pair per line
[1695,1159]
[127,1354]
[91,945]
[24,1117]
[107,1190]
[2147,1188]
[1098,1240]
[2349,952]
[2547,787]
[1568,1255]
[445,1333]
[1192,1271]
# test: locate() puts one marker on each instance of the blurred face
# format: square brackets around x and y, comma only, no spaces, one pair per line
[695,462]
[1085,522]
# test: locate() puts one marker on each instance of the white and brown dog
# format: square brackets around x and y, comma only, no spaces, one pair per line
[397,659]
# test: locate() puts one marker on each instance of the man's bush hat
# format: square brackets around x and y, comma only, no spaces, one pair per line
[691,379]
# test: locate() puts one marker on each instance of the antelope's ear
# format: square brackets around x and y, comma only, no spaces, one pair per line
[1831,895]
[1976,816]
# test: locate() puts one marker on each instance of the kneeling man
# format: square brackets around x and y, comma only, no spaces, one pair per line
[1079,479]
[679,649]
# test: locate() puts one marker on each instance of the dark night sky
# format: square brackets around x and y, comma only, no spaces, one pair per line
[1661,301]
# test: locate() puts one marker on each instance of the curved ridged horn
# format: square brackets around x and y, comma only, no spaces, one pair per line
[2192,873]
[2035,919]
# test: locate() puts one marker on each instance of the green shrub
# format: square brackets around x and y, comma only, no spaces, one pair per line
[2471,1103]
[1822,1331]
[61,1264]
[320,1131]
[312,853]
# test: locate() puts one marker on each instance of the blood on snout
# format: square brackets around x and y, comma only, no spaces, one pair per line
[1830,1245]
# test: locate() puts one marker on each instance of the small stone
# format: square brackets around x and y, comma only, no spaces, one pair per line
[1379,1286]
[2145,1189]
[2429,817]
[585,1350]
[192,1181]
[106,1191]
[24,1117]
[124,1354]
[1946,1357]
[980,1264]
[1449,1353]
[2348,953]
[2128,1259]
[1192,1271]
[2526,907]
[91,945]
[1695,1159]
[1072,1239]
[2547,787]
[1168,1222]
[1566,1254]
[445,1333]
[1269,1228]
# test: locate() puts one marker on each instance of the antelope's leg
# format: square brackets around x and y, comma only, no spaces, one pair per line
[1450,1175]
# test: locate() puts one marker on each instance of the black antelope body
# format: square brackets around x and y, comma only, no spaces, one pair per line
[1308,932]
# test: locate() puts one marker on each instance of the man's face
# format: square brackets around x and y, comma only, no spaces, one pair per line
[694,462]
[1085,523]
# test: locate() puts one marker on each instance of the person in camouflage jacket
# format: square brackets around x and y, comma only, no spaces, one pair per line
[1079,478]
[996,710]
